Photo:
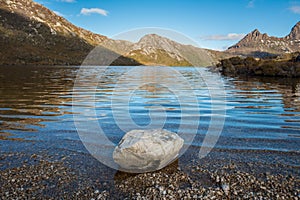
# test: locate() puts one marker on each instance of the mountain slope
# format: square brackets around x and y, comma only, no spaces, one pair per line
[260,45]
[32,34]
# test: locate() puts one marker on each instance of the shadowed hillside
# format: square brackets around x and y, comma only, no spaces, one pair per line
[32,34]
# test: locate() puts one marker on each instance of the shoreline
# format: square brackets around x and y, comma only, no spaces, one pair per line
[65,175]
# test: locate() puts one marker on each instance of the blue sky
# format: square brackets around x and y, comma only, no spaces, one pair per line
[214,24]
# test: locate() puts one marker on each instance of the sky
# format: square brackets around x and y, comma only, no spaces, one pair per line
[214,24]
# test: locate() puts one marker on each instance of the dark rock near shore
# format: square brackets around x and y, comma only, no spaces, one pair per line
[256,67]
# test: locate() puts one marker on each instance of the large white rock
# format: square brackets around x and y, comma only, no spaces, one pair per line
[147,150]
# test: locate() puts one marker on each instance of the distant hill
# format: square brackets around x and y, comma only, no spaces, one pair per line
[261,45]
[153,49]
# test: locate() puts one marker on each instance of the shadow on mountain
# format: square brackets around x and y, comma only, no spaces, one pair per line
[261,54]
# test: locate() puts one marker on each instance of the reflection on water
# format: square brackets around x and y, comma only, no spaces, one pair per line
[31,96]
[276,96]
[38,100]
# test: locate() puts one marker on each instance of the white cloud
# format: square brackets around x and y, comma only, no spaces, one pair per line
[295,9]
[251,4]
[230,36]
[58,13]
[89,11]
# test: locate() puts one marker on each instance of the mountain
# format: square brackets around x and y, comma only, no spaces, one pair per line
[153,49]
[33,34]
[261,45]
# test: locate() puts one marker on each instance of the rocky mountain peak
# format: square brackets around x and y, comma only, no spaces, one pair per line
[295,32]
[255,35]
[151,36]
[155,40]
[261,45]
[152,42]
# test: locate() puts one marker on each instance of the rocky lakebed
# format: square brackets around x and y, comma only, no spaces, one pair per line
[78,176]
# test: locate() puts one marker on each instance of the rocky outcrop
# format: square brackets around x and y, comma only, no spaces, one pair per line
[261,45]
[255,67]
[147,150]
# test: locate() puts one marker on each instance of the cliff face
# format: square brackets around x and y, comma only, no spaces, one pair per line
[260,45]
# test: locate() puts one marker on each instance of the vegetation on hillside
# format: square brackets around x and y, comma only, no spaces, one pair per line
[158,58]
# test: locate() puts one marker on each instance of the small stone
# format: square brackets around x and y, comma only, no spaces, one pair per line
[225,188]
[217,179]
[161,188]
[33,156]
[263,188]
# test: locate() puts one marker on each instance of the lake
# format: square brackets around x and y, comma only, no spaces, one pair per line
[260,114]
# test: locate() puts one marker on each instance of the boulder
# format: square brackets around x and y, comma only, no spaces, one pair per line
[147,150]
